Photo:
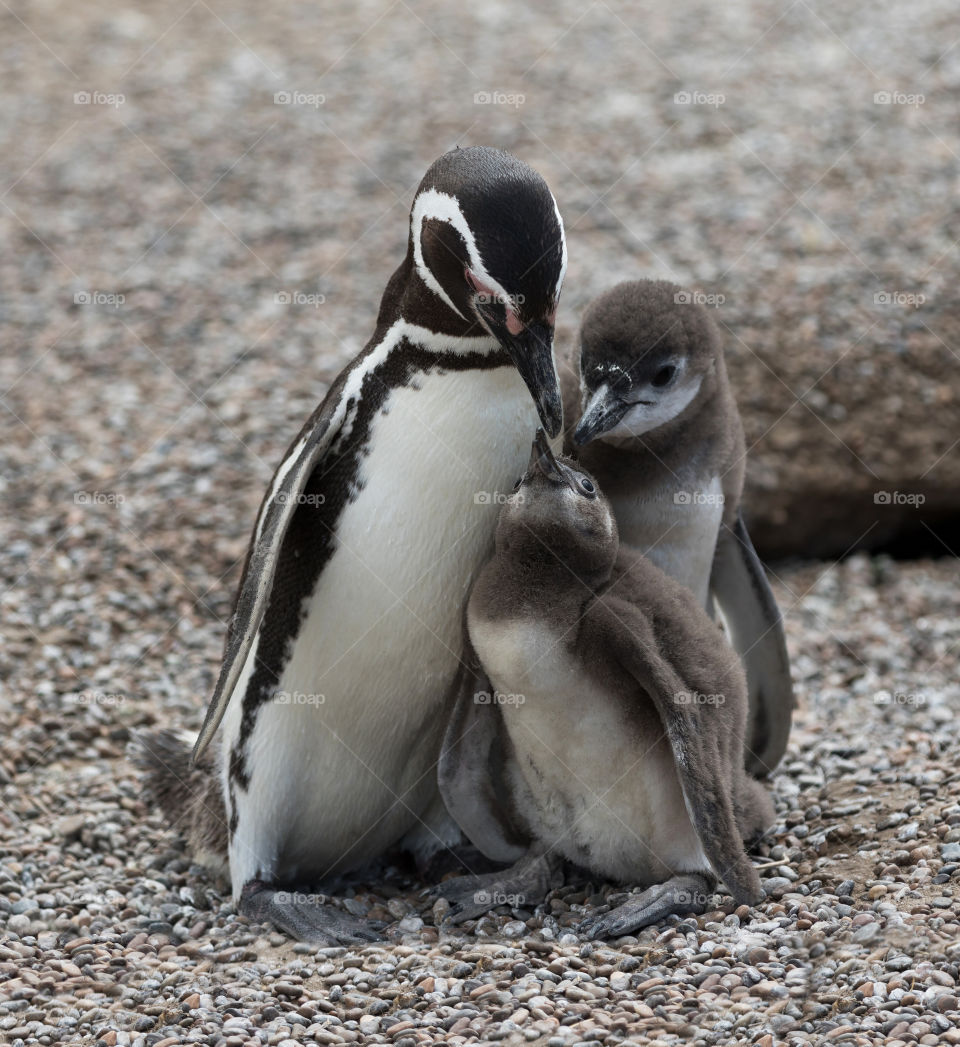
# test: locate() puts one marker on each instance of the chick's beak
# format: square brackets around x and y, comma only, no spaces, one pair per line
[603,413]
[542,458]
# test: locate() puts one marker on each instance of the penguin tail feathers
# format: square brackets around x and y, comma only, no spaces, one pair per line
[189,795]
[715,823]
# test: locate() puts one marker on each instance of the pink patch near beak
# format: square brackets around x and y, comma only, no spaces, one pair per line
[476,283]
[514,325]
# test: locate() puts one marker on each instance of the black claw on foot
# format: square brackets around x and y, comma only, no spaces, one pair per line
[437,890]
[305,917]
[680,895]
[469,898]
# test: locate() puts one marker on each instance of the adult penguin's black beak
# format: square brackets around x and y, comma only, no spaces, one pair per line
[532,354]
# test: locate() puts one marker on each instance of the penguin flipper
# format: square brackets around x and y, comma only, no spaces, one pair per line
[276,511]
[707,755]
[470,771]
[740,585]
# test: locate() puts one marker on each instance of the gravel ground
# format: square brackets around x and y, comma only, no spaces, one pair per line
[137,436]
[111,934]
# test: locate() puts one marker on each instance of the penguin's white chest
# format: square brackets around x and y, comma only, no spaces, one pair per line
[345,765]
[675,528]
[594,773]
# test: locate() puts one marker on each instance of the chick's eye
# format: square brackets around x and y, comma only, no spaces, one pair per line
[516,486]
[587,486]
[663,377]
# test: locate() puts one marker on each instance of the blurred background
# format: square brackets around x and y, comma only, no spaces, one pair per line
[201,202]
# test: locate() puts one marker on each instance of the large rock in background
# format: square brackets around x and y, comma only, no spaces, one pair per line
[855,443]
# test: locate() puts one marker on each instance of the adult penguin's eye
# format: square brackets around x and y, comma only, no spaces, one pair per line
[587,486]
[663,377]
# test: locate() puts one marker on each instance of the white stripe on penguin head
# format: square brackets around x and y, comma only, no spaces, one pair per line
[563,251]
[431,203]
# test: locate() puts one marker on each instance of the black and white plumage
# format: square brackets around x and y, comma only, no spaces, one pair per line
[346,635]
[649,411]
[603,722]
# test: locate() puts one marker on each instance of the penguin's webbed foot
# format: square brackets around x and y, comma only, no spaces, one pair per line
[304,917]
[688,893]
[524,884]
